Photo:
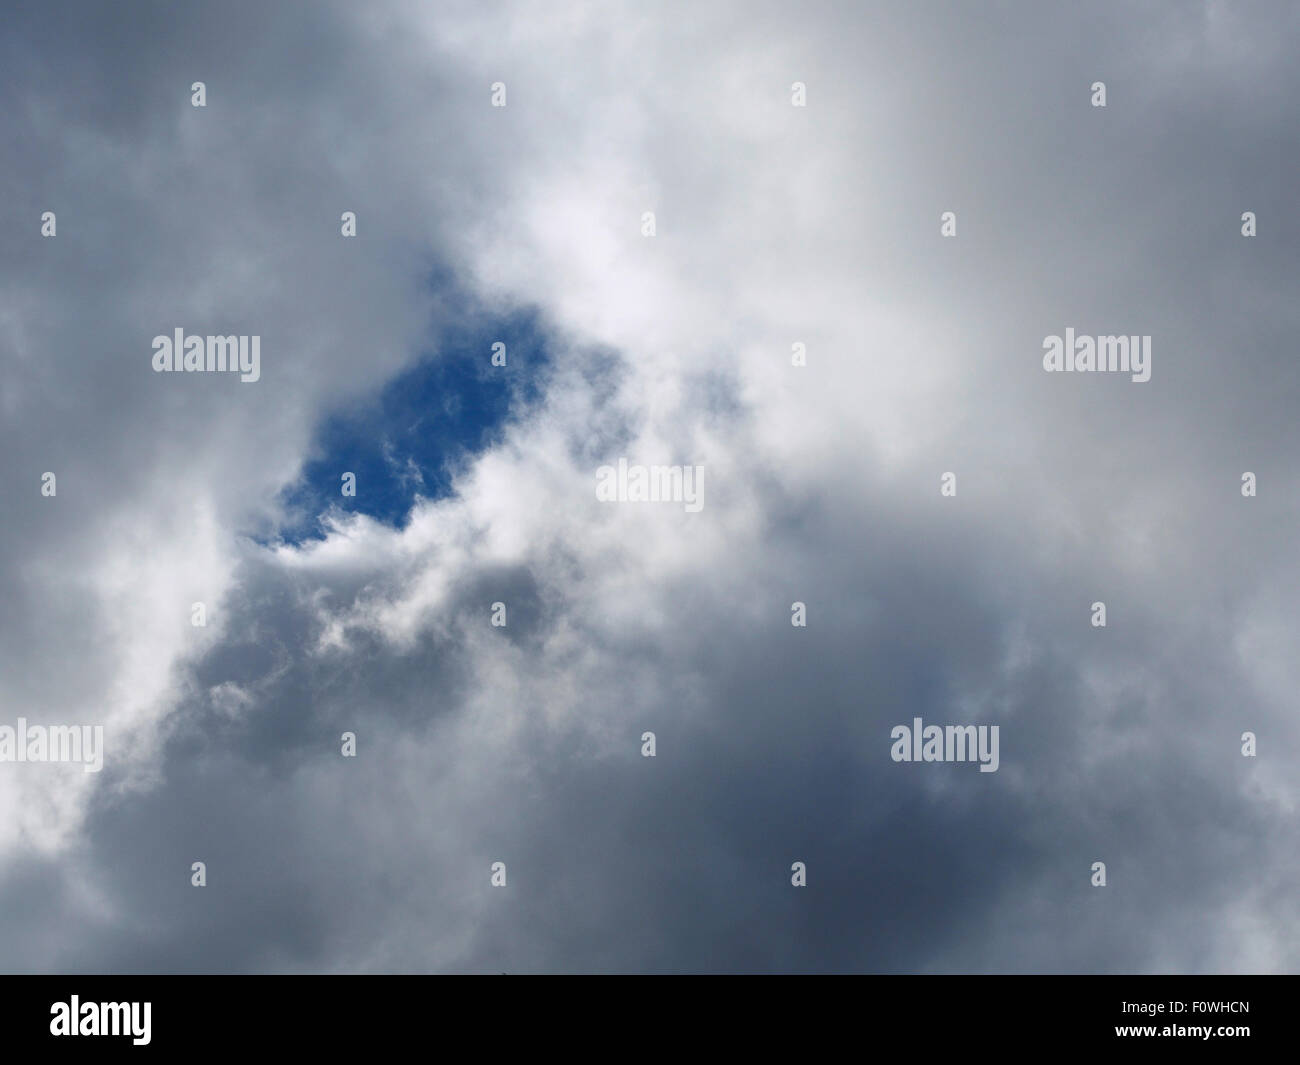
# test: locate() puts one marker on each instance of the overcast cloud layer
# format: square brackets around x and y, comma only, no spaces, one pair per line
[774,225]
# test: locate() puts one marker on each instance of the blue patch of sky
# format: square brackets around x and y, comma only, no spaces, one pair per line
[410,438]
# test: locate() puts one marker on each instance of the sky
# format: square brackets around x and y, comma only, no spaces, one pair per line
[775,225]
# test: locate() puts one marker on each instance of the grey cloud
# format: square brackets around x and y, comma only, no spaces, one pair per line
[1118,745]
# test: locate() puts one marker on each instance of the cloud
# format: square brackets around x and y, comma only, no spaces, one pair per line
[774,225]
